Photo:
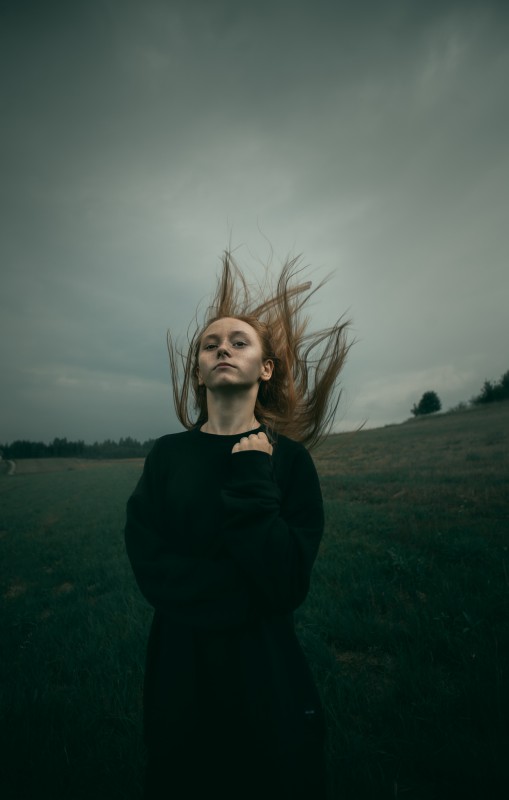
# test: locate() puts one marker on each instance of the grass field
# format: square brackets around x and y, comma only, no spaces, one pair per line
[406,625]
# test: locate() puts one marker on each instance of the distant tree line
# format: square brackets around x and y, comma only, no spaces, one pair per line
[491,392]
[62,448]
[128,447]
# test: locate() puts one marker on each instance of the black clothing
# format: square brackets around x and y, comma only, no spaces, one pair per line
[222,546]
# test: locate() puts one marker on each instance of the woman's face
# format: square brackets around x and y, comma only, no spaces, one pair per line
[230,356]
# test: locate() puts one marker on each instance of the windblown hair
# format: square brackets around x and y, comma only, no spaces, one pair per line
[301,398]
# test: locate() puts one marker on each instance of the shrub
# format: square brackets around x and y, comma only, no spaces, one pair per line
[428,404]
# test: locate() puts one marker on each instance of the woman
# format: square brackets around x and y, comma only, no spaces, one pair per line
[222,531]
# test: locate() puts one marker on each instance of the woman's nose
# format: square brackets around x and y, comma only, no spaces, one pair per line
[222,350]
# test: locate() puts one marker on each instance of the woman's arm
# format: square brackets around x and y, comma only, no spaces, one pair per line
[201,592]
[273,539]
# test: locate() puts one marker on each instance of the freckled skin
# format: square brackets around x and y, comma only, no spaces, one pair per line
[230,361]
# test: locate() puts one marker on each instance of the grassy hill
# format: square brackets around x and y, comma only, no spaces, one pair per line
[406,624]
[411,598]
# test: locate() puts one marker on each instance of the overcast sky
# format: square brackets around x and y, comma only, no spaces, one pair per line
[139,138]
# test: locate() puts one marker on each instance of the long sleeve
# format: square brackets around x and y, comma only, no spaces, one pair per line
[274,539]
[200,592]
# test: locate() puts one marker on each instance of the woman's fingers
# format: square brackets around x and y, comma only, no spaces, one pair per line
[255,441]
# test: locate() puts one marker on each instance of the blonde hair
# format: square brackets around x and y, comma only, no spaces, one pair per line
[301,398]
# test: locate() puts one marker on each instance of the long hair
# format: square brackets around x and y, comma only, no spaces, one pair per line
[301,398]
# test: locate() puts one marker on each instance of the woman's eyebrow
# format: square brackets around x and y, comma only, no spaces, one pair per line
[215,336]
[240,333]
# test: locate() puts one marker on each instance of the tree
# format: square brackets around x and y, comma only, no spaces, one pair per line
[491,392]
[428,404]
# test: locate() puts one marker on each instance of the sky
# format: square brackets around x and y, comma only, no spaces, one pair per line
[140,139]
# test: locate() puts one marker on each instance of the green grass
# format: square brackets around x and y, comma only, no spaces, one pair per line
[408,612]
[406,624]
[74,632]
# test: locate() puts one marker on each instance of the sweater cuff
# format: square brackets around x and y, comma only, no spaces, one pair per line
[251,465]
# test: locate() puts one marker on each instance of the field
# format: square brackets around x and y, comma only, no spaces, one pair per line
[406,625]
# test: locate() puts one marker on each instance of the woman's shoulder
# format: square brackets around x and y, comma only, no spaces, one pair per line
[291,446]
[290,451]
[294,470]
[170,442]
[174,438]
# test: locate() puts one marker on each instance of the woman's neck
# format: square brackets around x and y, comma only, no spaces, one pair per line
[229,419]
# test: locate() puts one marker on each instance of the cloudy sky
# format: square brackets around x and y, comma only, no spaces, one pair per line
[140,137]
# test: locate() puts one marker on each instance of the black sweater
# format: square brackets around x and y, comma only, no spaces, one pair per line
[222,546]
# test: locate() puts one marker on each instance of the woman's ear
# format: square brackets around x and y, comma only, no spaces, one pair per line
[267,370]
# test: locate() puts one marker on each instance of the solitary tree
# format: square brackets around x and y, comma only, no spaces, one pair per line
[428,404]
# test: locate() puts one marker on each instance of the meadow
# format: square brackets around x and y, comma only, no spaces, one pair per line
[406,625]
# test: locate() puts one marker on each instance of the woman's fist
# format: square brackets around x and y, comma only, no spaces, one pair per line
[256,441]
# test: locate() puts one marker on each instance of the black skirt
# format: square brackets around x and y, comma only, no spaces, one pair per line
[216,763]
[229,743]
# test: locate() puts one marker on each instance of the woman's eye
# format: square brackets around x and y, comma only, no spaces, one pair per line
[239,344]
[209,346]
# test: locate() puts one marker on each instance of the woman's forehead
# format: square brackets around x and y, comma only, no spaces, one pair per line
[228,326]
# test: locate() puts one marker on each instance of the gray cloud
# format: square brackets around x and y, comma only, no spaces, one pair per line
[138,138]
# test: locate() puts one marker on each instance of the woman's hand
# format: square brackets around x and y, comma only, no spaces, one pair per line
[256,441]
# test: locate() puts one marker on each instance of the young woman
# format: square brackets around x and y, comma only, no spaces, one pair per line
[222,531]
